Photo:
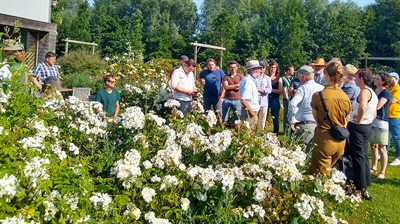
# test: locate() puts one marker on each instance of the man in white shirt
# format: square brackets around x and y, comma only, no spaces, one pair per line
[182,81]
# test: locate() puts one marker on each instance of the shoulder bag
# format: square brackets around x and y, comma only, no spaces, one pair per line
[337,132]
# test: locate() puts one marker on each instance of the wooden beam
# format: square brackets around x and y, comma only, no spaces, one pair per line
[380,58]
[79,42]
[208,46]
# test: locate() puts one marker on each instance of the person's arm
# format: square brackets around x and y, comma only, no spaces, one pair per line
[221,97]
[381,102]
[364,97]
[247,107]
[170,86]
[200,81]
[293,107]
[229,87]
[280,87]
[36,83]
[315,114]
[285,94]
[116,110]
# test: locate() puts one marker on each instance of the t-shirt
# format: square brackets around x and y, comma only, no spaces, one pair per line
[295,83]
[212,86]
[109,100]
[383,112]
[232,94]
[286,82]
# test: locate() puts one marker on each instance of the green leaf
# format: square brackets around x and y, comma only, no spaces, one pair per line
[168,214]
[122,200]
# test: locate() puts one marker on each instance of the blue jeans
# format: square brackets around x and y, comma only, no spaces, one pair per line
[394,128]
[275,106]
[105,123]
[185,107]
[227,104]
[214,102]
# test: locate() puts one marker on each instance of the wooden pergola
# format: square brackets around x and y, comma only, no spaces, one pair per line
[378,59]
[197,47]
[78,42]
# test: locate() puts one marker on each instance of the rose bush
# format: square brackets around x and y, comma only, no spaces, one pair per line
[63,166]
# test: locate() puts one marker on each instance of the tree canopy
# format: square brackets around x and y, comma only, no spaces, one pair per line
[287,31]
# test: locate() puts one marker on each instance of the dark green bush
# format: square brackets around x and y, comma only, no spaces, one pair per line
[82,80]
[82,62]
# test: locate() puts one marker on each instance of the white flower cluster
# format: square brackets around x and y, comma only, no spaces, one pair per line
[8,187]
[132,209]
[308,205]
[185,204]
[127,169]
[148,194]
[194,132]
[42,132]
[84,219]
[253,210]
[220,141]
[15,220]
[99,199]
[159,121]
[50,211]
[72,200]
[56,148]
[4,97]
[211,118]
[73,148]
[35,170]
[151,217]
[197,106]
[88,116]
[169,181]
[133,118]
[284,162]
[261,191]
[172,153]
[131,88]
[203,176]
[172,103]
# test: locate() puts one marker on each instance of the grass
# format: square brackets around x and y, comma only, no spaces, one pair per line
[385,206]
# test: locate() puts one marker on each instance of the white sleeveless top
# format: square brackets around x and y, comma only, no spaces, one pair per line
[370,110]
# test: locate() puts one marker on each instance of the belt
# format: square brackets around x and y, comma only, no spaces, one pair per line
[306,122]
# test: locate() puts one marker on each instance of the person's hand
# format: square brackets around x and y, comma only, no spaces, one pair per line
[355,119]
[293,127]
[194,93]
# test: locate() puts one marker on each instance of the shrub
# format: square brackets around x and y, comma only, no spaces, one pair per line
[82,80]
[81,61]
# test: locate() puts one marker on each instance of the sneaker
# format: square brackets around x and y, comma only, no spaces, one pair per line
[396,162]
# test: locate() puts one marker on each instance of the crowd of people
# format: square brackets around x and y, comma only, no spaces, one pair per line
[329,109]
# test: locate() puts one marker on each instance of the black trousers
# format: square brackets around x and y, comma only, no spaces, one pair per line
[358,148]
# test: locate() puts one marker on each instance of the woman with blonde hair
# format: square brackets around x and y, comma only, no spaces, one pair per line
[327,149]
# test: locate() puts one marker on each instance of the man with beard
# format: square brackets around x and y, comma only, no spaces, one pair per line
[319,65]
[44,70]
[14,62]
[249,93]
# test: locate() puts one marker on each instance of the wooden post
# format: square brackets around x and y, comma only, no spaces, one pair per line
[196,50]
[195,59]
[66,46]
[220,59]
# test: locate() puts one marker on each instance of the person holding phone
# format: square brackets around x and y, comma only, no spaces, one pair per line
[182,81]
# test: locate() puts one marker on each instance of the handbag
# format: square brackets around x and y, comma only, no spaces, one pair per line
[336,131]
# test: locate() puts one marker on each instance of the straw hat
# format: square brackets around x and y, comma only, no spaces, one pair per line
[350,69]
[11,45]
[318,62]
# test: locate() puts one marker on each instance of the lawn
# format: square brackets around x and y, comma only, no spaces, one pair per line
[385,206]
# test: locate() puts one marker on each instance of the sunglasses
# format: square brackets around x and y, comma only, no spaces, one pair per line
[112,81]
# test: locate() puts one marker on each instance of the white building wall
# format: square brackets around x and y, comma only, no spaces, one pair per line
[39,10]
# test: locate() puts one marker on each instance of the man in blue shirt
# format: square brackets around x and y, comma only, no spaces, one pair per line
[249,93]
[212,87]
[300,116]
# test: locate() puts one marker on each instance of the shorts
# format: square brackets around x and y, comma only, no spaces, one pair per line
[379,136]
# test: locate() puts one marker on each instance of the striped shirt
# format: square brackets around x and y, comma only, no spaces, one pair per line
[43,71]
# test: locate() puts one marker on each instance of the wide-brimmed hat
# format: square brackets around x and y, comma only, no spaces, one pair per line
[394,74]
[318,62]
[253,64]
[350,69]
[305,70]
[11,45]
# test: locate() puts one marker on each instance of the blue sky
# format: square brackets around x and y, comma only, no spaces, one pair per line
[359,2]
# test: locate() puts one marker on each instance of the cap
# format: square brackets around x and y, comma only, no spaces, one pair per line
[305,70]
[394,74]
